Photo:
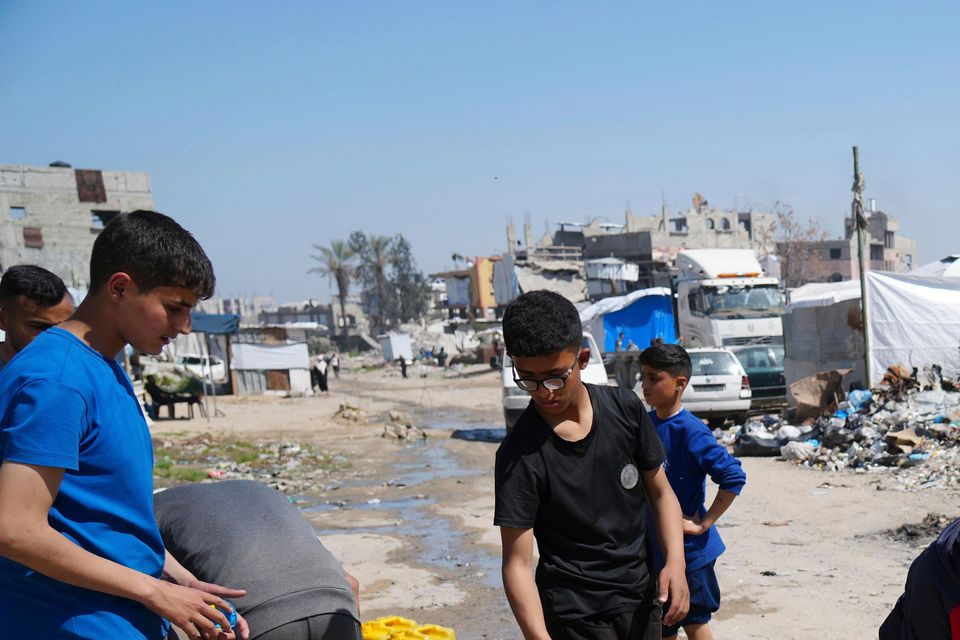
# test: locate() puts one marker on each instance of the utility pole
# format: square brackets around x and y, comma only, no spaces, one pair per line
[861,223]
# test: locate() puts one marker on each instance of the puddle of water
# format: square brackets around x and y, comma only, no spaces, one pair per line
[438,463]
[403,503]
[441,544]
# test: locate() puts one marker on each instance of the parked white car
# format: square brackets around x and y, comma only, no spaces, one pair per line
[209,367]
[515,399]
[718,389]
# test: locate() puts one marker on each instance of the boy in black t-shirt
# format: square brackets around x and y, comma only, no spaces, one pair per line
[575,473]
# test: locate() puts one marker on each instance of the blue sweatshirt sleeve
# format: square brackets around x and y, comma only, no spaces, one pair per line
[714,460]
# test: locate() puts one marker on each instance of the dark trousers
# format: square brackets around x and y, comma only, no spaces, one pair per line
[642,623]
[333,626]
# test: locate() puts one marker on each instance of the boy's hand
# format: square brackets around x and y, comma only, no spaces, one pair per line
[693,526]
[673,588]
[190,610]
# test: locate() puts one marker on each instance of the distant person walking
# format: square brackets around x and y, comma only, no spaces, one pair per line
[335,364]
[403,366]
[320,373]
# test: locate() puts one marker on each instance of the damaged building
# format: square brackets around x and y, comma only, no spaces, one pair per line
[50,216]
[837,260]
[616,259]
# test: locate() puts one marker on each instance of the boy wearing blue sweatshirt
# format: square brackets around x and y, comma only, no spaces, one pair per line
[693,453]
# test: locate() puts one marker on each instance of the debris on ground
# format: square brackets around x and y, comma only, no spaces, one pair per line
[920,533]
[403,432]
[911,425]
[349,413]
[288,466]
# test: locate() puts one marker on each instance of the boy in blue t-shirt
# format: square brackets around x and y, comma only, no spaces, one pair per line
[692,454]
[80,553]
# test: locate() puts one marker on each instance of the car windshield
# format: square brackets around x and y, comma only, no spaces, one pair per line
[714,363]
[760,301]
[761,358]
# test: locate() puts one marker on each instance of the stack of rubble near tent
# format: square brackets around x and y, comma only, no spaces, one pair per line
[913,421]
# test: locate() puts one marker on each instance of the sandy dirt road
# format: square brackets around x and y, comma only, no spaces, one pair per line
[807,555]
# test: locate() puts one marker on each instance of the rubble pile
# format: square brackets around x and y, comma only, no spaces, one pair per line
[350,413]
[400,427]
[911,425]
[288,466]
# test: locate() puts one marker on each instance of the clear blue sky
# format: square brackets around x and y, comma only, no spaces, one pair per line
[269,126]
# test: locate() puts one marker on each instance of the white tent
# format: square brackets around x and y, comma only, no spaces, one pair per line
[948,267]
[914,320]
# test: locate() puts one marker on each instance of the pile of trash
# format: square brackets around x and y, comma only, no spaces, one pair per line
[913,421]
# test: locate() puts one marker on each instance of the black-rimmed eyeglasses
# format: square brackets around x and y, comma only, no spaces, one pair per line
[550,384]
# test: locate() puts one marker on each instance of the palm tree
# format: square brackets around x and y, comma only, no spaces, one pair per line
[380,255]
[335,263]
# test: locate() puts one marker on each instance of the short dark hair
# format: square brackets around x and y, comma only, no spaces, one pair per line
[539,323]
[153,250]
[671,358]
[32,282]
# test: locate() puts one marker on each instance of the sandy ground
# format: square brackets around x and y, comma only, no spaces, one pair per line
[806,553]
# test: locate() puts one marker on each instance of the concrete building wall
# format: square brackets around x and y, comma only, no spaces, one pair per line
[44,222]
[837,259]
[704,228]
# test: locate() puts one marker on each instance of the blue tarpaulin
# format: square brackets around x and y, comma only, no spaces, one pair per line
[215,323]
[641,316]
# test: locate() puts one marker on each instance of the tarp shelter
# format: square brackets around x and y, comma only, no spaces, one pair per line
[215,323]
[223,324]
[948,267]
[914,320]
[640,315]
[262,368]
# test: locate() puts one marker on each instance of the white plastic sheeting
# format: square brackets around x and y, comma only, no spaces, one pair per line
[823,294]
[265,357]
[949,266]
[914,320]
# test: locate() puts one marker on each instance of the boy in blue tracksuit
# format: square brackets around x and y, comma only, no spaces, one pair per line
[692,454]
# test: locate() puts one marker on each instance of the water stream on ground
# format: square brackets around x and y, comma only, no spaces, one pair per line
[443,547]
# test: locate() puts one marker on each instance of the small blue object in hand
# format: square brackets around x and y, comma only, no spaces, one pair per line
[231,614]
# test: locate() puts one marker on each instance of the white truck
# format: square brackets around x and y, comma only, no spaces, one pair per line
[724,300]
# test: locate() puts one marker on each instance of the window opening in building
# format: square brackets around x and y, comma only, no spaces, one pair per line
[18,213]
[100,219]
[725,224]
[835,254]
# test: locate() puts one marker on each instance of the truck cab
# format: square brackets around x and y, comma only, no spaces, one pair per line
[724,300]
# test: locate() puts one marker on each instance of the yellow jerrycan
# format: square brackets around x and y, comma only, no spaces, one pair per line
[436,632]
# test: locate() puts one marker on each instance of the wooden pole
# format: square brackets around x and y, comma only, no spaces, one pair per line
[863,259]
